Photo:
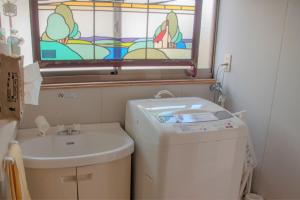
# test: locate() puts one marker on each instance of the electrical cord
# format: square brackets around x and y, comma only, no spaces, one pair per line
[217,88]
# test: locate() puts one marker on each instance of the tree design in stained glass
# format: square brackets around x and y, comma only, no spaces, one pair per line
[92,30]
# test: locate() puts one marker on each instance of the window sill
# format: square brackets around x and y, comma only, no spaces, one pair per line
[126,83]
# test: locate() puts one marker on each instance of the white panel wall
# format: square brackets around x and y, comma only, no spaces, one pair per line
[281,167]
[94,105]
[251,30]
[263,37]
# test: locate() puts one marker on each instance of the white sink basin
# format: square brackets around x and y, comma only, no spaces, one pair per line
[97,143]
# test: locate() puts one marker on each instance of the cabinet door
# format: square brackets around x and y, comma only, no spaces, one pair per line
[109,181]
[58,184]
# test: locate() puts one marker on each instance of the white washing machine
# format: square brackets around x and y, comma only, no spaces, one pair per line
[186,148]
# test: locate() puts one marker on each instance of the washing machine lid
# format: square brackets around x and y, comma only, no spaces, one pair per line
[186,120]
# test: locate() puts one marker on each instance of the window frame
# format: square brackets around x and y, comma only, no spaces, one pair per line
[193,62]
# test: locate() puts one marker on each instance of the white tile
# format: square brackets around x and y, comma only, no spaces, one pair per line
[115,99]
[199,90]
[84,107]
[99,105]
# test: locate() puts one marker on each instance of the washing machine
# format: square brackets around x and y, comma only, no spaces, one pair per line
[185,149]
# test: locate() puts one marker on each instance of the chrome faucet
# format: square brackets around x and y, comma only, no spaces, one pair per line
[74,130]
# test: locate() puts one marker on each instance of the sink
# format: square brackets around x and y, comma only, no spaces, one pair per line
[97,143]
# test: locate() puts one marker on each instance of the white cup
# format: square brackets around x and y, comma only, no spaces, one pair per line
[42,124]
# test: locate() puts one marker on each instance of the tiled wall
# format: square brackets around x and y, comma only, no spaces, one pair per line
[94,105]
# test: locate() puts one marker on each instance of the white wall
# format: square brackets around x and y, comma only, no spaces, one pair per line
[95,105]
[251,30]
[21,23]
[263,36]
[281,167]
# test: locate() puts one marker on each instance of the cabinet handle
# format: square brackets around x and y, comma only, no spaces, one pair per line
[68,179]
[85,177]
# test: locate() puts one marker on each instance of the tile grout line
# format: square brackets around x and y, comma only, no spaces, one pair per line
[101,104]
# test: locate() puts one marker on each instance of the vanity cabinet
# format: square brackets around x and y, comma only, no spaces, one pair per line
[107,181]
[52,183]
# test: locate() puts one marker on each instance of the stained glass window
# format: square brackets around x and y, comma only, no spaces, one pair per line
[116,30]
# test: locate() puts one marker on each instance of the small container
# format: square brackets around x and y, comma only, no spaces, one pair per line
[42,124]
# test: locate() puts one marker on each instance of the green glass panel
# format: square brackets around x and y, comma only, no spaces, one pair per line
[171,34]
[65,35]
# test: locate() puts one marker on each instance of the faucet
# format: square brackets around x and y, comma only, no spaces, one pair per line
[74,130]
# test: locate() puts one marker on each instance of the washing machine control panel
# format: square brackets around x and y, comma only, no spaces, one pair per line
[206,127]
[203,121]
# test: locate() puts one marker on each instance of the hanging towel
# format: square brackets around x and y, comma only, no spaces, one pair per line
[32,84]
[16,174]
